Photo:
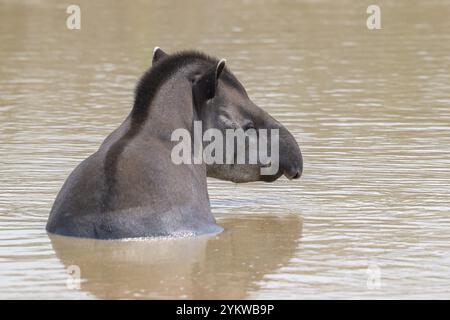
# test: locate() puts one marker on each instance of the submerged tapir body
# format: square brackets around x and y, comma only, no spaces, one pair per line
[131,188]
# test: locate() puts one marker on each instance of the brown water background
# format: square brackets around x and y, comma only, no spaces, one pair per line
[370,109]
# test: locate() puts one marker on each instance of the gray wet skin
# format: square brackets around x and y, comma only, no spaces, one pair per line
[131,188]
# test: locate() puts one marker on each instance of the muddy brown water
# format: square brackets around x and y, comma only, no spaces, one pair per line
[370,217]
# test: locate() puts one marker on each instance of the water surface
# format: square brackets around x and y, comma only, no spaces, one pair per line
[370,109]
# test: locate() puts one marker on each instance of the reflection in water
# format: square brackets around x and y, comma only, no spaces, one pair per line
[208,267]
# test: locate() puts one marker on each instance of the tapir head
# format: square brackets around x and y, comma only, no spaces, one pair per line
[261,148]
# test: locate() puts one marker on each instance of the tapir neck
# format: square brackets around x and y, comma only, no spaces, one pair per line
[172,108]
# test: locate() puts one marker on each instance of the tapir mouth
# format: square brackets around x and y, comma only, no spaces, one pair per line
[271,178]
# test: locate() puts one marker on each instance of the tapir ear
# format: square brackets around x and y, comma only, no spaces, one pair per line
[205,87]
[158,54]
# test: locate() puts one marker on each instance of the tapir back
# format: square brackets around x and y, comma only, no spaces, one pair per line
[151,196]
[77,208]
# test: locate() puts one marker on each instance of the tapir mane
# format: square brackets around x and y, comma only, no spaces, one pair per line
[155,77]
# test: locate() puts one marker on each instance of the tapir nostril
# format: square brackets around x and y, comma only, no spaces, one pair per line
[293,173]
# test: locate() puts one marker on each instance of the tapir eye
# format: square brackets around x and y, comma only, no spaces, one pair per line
[248,126]
[195,77]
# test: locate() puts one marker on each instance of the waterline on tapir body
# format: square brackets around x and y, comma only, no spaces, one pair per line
[235,147]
